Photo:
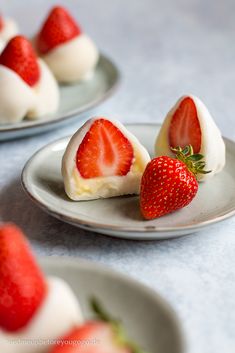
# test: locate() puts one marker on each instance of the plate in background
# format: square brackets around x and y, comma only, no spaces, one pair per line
[120,216]
[149,320]
[76,99]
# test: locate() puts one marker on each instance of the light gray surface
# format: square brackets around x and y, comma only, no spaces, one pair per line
[164,49]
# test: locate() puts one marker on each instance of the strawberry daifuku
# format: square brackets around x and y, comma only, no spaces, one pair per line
[31,306]
[190,123]
[70,53]
[103,159]
[28,88]
[42,315]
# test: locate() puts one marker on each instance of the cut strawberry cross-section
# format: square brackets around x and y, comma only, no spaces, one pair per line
[185,127]
[58,28]
[190,123]
[104,151]
[103,159]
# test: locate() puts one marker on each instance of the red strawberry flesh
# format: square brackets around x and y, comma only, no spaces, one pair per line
[185,127]
[20,57]
[59,28]
[104,151]
[166,185]
[22,284]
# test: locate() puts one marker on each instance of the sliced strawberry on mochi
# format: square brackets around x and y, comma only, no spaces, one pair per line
[22,284]
[104,335]
[185,127]
[20,57]
[104,151]
[1,23]
[59,27]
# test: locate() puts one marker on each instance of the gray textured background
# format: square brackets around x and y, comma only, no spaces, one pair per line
[164,49]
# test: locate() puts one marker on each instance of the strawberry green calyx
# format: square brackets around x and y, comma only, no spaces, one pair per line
[119,333]
[194,162]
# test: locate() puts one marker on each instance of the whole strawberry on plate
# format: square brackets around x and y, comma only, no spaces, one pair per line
[169,184]
[101,335]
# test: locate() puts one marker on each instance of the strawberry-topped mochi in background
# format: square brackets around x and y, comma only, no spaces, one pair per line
[28,88]
[32,306]
[190,123]
[103,159]
[8,29]
[68,51]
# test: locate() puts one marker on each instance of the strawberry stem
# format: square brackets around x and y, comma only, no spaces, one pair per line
[121,337]
[194,162]
[99,311]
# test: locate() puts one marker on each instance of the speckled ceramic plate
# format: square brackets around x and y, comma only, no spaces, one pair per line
[148,319]
[120,216]
[76,100]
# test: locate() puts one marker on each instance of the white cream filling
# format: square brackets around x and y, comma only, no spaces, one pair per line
[57,316]
[19,100]
[74,60]
[212,147]
[79,188]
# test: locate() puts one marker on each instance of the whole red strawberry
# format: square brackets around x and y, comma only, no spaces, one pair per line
[58,28]
[22,284]
[20,57]
[103,335]
[169,184]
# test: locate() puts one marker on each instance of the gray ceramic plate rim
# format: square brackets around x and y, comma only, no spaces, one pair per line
[93,226]
[74,262]
[97,267]
[70,114]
